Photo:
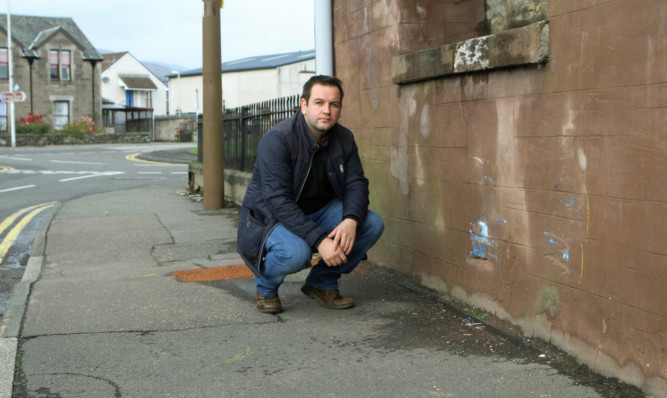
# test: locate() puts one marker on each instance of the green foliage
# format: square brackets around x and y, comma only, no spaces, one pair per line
[84,125]
[33,124]
[479,314]
[38,129]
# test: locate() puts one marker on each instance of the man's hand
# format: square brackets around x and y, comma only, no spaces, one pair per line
[337,245]
[344,235]
[331,256]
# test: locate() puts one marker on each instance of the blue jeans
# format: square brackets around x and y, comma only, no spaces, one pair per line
[287,253]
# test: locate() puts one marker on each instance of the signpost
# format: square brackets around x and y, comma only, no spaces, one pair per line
[12,96]
[10,65]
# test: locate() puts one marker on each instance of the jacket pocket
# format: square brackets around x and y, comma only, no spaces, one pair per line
[339,170]
[249,239]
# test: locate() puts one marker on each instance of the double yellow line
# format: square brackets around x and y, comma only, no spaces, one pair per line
[133,157]
[11,236]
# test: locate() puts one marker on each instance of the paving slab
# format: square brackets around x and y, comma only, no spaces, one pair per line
[107,317]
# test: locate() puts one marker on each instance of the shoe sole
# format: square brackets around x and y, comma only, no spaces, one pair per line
[314,296]
[270,311]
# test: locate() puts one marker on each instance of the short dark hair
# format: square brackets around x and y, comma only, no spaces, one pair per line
[324,81]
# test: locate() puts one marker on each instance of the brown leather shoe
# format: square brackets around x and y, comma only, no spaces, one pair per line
[328,298]
[269,305]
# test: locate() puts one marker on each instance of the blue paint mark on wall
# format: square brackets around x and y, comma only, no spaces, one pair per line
[570,202]
[478,251]
[480,240]
[558,246]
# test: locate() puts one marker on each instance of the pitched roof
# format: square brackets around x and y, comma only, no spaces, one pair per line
[134,82]
[259,62]
[111,58]
[31,32]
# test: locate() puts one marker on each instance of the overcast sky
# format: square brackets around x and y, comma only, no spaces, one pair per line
[170,31]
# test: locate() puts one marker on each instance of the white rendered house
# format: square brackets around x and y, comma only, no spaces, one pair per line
[245,81]
[127,82]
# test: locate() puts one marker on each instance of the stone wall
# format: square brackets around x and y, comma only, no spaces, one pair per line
[533,190]
[64,139]
[236,182]
[182,128]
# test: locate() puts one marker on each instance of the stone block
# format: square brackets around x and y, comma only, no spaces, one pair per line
[521,46]
[419,65]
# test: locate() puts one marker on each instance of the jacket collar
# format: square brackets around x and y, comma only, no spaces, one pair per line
[302,128]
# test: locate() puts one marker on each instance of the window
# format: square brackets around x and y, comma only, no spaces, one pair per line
[60,65]
[4,64]
[65,66]
[3,116]
[60,114]
[143,99]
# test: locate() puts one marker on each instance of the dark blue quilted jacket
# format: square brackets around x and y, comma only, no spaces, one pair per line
[284,158]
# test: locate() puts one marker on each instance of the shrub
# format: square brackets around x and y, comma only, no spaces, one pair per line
[84,125]
[33,124]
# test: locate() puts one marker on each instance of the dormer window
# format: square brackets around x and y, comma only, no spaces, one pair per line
[60,65]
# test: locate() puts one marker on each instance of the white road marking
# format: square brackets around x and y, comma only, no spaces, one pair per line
[158,164]
[140,178]
[75,162]
[17,188]
[66,172]
[96,174]
[15,158]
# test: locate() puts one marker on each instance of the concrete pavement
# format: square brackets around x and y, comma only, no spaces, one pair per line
[110,314]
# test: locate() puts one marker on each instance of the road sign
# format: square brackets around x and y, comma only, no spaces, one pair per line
[15,96]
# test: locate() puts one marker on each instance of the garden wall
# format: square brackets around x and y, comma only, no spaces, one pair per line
[79,139]
[181,128]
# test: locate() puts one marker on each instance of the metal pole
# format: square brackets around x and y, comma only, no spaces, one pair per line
[214,166]
[92,64]
[30,61]
[324,58]
[180,109]
[12,127]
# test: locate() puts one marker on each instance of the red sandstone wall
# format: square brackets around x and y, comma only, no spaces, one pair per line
[539,193]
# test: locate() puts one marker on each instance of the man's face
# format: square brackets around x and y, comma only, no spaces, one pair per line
[323,108]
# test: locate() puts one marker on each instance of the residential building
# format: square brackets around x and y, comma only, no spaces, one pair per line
[126,81]
[245,81]
[132,94]
[55,65]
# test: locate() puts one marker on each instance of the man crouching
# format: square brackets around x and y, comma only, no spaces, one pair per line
[308,194]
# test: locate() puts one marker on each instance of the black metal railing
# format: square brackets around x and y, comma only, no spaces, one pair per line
[244,126]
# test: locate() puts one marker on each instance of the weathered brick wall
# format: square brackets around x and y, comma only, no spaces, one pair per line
[536,192]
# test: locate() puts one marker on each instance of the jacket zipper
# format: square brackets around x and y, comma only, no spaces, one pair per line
[310,166]
[303,184]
